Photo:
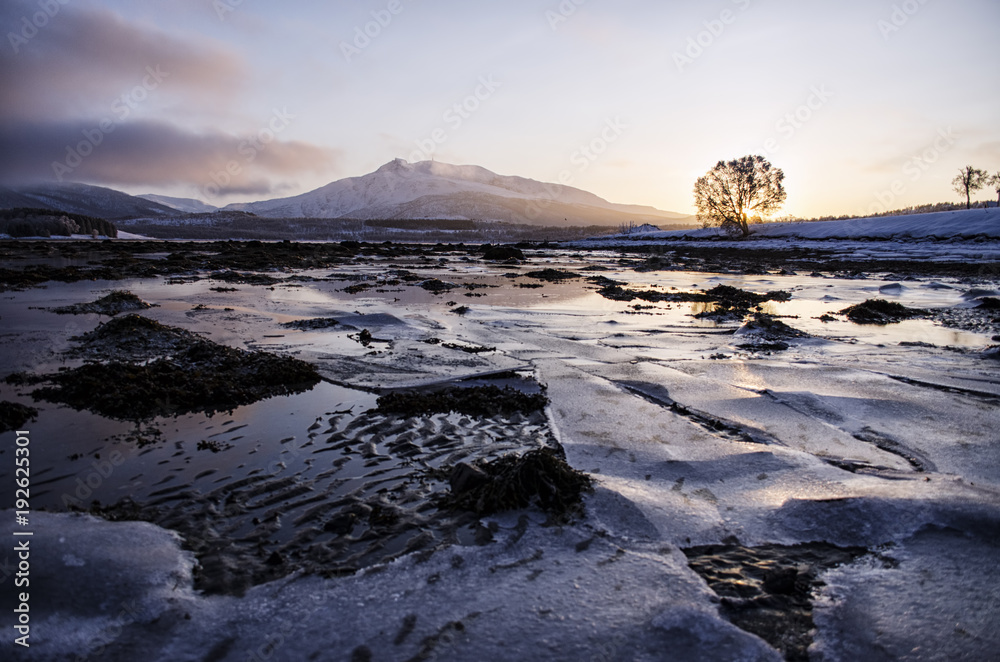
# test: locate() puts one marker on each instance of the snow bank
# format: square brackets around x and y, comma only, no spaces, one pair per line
[962,225]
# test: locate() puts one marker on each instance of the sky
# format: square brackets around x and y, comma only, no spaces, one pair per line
[864,104]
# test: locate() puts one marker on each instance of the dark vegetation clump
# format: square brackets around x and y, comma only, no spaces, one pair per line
[767,590]
[157,370]
[230,276]
[769,327]
[734,297]
[436,285]
[14,415]
[655,263]
[115,303]
[312,324]
[552,275]
[767,333]
[502,253]
[204,377]
[472,401]
[132,337]
[540,477]
[880,311]
[727,299]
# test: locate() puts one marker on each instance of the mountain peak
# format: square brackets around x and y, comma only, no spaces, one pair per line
[433,189]
[396,165]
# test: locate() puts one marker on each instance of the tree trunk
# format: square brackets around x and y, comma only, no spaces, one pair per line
[968,199]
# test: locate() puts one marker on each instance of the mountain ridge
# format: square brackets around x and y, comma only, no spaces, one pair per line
[85,199]
[432,189]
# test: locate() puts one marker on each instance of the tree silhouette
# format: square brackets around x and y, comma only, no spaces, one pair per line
[995,183]
[968,181]
[733,192]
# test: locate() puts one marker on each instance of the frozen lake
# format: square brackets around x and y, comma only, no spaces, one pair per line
[716,453]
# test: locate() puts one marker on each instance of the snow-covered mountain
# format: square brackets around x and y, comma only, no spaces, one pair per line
[431,189]
[189,205]
[83,199]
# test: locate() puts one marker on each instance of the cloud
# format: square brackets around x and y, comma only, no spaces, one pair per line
[156,153]
[84,95]
[80,60]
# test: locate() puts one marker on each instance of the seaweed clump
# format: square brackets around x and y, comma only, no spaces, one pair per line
[472,401]
[115,303]
[313,324]
[552,275]
[502,253]
[880,311]
[132,337]
[728,300]
[14,415]
[766,333]
[540,477]
[159,370]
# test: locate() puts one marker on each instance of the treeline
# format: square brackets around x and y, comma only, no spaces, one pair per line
[29,222]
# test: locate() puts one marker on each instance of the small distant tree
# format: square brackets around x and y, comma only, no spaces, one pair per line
[628,227]
[968,181]
[995,183]
[733,192]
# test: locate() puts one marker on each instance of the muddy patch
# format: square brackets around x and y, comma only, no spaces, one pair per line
[768,590]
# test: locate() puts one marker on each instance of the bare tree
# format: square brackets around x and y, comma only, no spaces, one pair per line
[995,183]
[733,192]
[968,181]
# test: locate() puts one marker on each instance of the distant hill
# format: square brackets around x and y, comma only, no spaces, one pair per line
[187,205]
[435,190]
[81,199]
